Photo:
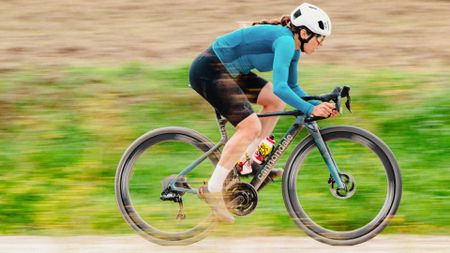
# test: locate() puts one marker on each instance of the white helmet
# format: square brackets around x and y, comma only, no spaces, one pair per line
[313,18]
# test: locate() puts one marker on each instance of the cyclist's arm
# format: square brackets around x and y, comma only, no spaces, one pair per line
[284,49]
[293,77]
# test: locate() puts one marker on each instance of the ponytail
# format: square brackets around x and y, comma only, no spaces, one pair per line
[284,21]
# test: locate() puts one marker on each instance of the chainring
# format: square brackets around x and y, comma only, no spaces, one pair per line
[241,198]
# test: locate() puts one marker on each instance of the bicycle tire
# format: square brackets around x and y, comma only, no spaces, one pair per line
[391,202]
[146,143]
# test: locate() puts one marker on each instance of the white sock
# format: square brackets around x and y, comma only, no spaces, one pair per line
[215,183]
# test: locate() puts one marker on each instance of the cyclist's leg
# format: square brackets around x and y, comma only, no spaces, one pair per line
[230,96]
[259,91]
[229,99]
[212,81]
[270,103]
[246,131]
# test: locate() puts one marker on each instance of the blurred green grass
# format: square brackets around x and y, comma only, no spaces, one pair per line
[63,133]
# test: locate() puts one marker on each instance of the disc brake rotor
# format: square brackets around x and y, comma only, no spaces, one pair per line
[350,186]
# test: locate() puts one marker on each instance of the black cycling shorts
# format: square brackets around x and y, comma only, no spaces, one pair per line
[230,96]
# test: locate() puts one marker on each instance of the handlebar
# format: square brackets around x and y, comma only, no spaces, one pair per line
[335,96]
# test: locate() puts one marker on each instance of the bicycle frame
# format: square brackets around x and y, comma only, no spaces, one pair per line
[241,198]
[276,153]
[287,139]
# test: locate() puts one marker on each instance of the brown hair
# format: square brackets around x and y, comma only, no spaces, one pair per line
[284,21]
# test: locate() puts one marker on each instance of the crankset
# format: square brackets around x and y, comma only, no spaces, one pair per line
[241,198]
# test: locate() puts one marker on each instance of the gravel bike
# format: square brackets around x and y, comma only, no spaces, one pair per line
[341,184]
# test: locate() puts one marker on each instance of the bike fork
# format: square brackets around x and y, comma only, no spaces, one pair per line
[313,129]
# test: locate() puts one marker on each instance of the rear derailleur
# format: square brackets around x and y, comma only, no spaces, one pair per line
[168,194]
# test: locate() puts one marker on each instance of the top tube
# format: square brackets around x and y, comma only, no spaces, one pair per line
[272,114]
[295,113]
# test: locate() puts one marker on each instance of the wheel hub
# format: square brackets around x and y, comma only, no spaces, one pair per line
[349,189]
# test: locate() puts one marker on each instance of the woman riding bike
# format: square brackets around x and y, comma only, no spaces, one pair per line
[222,75]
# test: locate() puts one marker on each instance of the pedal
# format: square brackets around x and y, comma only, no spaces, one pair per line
[168,195]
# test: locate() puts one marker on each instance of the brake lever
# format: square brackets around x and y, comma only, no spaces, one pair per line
[347,104]
[346,93]
[336,96]
[337,100]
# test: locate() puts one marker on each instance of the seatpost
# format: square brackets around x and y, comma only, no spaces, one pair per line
[221,121]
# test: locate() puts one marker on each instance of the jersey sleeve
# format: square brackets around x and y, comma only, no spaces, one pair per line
[284,49]
[292,82]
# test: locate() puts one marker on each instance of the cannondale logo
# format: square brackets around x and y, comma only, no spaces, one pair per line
[274,158]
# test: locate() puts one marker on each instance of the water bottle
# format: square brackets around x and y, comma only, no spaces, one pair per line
[264,149]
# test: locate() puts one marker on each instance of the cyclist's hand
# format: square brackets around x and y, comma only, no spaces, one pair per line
[325,110]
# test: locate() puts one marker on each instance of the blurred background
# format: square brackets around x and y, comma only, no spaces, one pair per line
[80,80]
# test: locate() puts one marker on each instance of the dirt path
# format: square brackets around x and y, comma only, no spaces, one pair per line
[407,34]
[132,244]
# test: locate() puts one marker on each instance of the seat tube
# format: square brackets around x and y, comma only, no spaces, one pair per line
[221,121]
[313,129]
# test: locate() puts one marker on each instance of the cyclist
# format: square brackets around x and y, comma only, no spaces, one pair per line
[222,75]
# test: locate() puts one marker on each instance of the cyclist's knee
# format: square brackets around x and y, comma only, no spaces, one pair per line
[277,105]
[251,126]
[269,100]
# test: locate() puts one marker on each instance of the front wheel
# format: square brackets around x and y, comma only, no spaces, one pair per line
[144,172]
[335,216]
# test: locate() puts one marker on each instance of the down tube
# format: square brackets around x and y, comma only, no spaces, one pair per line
[273,158]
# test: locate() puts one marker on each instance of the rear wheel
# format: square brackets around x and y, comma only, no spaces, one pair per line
[144,170]
[343,216]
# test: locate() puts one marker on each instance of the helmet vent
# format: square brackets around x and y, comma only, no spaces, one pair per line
[321,25]
[297,13]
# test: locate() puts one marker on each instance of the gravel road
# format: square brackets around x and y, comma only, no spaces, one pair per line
[129,244]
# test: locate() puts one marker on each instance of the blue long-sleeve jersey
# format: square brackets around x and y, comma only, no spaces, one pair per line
[265,48]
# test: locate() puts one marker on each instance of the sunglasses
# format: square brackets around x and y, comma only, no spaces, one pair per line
[320,38]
